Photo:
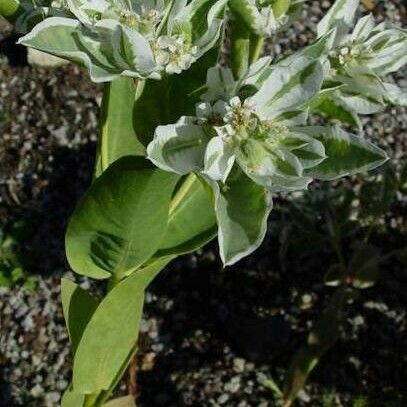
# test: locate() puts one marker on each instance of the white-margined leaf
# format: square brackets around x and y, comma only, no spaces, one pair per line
[346,153]
[179,147]
[242,208]
[219,159]
[288,87]
[342,11]
[260,21]
[220,84]
[361,104]
[363,28]
[59,36]
[336,108]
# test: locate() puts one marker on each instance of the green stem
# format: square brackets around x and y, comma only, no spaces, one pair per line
[240,47]
[10,10]
[336,243]
[181,193]
[90,400]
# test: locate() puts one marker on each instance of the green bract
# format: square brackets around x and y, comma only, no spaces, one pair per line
[359,59]
[136,38]
[264,17]
[257,145]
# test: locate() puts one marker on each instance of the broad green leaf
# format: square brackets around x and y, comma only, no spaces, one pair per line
[62,37]
[288,87]
[78,307]
[118,137]
[121,220]
[242,208]
[186,231]
[71,398]
[342,11]
[346,153]
[110,337]
[127,401]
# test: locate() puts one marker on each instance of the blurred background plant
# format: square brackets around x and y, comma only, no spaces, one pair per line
[12,259]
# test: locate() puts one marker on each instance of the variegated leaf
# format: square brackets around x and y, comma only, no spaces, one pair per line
[242,208]
[179,147]
[346,153]
[288,87]
[61,37]
[342,11]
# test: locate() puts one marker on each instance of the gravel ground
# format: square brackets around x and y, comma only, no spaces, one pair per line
[210,336]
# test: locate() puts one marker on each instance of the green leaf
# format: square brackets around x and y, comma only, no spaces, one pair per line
[280,7]
[247,14]
[377,195]
[186,231]
[72,398]
[110,337]
[121,220]
[346,153]
[336,108]
[118,137]
[127,401]
[242,208]
[78,307]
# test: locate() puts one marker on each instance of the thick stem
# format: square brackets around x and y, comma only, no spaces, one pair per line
[10,10]
[256,48]
[240,47]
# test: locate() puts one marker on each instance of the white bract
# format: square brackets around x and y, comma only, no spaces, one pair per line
[136,38]
[361,57]
[240,142]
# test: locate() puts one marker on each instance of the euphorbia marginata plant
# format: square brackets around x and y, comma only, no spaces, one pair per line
[190,150]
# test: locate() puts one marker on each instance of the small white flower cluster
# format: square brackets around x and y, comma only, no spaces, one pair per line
[236,122]
[174,54]
[143,20]
[348,54]
[228,118]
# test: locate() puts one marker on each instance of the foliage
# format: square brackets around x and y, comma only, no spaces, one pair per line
[12,259]
[189,149]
